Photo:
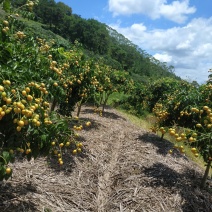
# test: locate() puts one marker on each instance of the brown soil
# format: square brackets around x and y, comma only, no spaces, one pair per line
[122,168]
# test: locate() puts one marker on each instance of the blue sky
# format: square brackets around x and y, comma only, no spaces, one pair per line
[177,32]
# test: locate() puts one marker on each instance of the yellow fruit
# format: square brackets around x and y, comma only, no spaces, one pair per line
[68,143]
[27,89]
[88,123]
[8,170]
[194,150]
[191,139]
[38,123]
[20,123]
[28,151]
[74,151]
[3,94]
[79,145]
[24,93]
[7,82]
[1,88]
[194,134]
[179,139]
[172,132]
[198,125]
[209,126]
[6,23]
[61,145]
[205,107]
[29,98]
[53,143]
[2,113]
[18,128]
[21,150]
[170,151]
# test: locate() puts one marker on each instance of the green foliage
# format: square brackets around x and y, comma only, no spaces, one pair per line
[99,38]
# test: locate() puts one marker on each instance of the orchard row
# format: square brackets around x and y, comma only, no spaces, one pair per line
[40,86]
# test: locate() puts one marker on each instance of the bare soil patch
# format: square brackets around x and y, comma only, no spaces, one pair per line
[122,168]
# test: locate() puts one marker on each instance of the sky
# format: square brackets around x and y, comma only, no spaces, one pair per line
[177,32]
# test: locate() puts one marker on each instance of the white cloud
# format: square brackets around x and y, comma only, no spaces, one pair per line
[177,11]
[163,57]
[188,48]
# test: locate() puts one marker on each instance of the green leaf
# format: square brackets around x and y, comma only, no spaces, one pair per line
[6,156]
[6,5]
[43,137]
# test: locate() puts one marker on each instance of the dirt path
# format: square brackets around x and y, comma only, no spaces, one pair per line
[123,168]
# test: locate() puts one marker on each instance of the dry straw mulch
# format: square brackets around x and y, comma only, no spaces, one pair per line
[122,168]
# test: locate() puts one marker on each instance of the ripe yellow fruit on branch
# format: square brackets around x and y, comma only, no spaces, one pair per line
[205,107]
[6,82]
[74,151]
[61,145]
[194,150]
[29,98]
[198,125]
[6,23]
[27,89]
[18,128]
[8,170]
[88,123]
[21,123]
[1,88]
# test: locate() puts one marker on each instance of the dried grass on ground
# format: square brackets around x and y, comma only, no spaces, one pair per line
[122,168]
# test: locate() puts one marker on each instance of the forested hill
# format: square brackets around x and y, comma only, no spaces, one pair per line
[99,40]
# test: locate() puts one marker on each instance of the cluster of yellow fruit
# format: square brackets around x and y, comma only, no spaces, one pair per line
[207,122]
[26,106]
[180,148]
[159,112]
[6,28]
[78,149]
[80,127]
[20,35]
[30,5]
[191,137]
[58,153]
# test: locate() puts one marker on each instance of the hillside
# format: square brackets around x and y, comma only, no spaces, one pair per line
[121,168]
[53,19]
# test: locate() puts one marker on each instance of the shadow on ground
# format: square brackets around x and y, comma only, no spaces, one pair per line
[106,114]
[186,183]
[163,146]
[12,197]
[68,160]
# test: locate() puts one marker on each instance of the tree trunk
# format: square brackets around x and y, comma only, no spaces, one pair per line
[53,104]
[206,174]
[79,108]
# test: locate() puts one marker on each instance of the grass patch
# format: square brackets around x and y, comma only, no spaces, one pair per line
[144,122]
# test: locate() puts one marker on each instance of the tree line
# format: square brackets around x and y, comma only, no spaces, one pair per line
[99,40]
